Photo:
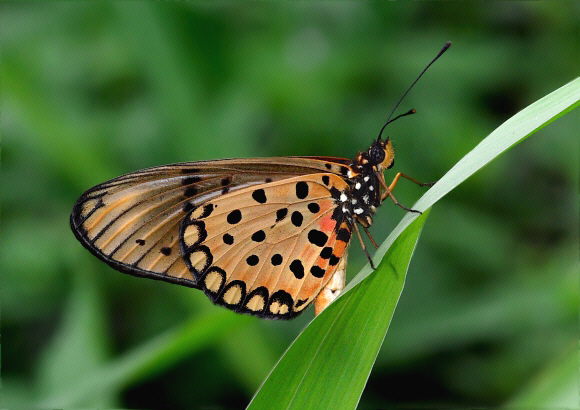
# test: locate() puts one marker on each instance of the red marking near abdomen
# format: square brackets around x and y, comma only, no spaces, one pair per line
[326,223]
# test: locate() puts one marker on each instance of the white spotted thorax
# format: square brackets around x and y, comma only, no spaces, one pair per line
[360,199]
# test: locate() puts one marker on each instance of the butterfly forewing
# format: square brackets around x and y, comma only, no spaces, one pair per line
[133,222]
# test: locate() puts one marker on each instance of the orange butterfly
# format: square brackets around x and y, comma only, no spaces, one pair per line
[263,236]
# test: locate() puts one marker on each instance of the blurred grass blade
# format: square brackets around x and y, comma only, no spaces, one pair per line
[80,343]
[554,387]
[328,365]
[514,130]
[146,360]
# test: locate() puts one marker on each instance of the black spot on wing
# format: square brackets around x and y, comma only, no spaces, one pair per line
[252,260]
[297,268]
[258,236]
[276,259]
[281,214]
[296,218]
[190,180]
[234,217]
[317,237]
[326,253]
[259,196]
[301,190]
[333,260]
[317,271]
[313,207]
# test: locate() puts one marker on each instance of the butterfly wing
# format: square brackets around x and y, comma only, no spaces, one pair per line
[267,250]
[132,222]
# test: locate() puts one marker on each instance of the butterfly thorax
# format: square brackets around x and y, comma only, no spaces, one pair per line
[359,201]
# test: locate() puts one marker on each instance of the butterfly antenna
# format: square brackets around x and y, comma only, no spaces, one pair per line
[389,120]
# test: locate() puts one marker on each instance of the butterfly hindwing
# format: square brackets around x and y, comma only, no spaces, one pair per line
[268,249]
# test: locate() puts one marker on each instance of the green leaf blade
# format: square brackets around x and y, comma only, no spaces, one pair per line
[328,365]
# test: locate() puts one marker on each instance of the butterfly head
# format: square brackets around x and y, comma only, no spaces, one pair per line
[381,154]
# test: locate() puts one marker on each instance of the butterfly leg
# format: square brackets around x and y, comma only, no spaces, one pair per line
[333,288]
[400,174]
[370,237]
[362,244]
[389,193]
[389,189]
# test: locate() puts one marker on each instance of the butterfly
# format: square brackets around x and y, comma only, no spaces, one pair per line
[263,236]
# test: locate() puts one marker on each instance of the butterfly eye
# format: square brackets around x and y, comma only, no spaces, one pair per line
[376,154]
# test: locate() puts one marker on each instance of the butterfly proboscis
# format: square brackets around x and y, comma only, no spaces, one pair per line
[263,236]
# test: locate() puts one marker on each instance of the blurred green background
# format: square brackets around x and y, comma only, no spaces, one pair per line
[489,314]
